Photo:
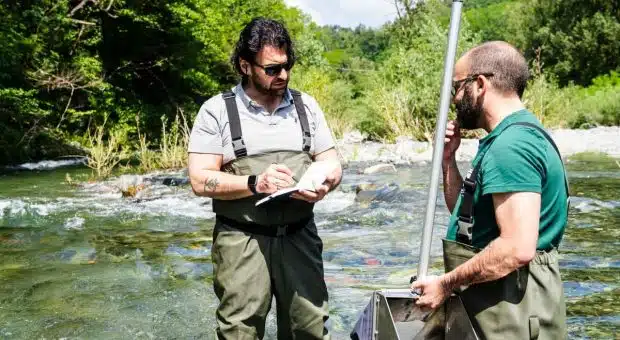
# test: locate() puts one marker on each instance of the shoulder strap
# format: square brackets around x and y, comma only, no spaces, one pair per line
[303,119]
[466,210]
[234,124]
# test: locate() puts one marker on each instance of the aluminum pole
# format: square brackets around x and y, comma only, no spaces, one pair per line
[440,131]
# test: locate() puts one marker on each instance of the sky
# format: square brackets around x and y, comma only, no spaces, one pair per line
[347,13]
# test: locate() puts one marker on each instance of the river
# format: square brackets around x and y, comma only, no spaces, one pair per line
[77,260]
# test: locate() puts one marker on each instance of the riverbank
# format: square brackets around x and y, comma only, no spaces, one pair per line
[353,147]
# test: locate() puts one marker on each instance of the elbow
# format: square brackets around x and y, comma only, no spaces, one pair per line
[196,189]
[524,255]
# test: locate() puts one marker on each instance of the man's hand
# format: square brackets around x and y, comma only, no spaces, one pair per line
[320,190]
[433,292]
[452,141]
[276,177]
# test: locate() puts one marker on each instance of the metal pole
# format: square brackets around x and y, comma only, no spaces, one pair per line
[440,131]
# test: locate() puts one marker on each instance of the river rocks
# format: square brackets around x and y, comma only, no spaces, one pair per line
[407,151]
[369,192]
[605,139]
[131,185]
[380,168]
[353,137]
[175,181]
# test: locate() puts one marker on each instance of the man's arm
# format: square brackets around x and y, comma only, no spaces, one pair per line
[452,182]
[207,179]
[335,177]
[517,216]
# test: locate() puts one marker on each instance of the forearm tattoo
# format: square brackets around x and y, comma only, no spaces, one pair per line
[211,184]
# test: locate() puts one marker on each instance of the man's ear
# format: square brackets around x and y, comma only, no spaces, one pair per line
[483,85]
[245,67]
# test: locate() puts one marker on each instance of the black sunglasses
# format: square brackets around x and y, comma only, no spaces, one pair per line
[275,69]
[456,85]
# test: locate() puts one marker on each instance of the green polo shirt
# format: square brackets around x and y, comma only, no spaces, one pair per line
[517,159]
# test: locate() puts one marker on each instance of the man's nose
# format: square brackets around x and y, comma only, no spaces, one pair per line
[283,74]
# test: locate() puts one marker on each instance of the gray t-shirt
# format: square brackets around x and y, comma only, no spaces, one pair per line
[262,132]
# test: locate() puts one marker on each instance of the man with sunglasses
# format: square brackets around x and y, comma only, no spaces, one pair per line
[510,211]
[247,143]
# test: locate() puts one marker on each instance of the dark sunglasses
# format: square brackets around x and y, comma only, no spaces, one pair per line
[456,85]
[275,69]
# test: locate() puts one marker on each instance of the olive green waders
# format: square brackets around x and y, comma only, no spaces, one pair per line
[269,250]
[527,303]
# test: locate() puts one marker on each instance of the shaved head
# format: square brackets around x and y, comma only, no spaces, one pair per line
[509,67]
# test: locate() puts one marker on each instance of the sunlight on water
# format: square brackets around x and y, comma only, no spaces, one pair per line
[82,261]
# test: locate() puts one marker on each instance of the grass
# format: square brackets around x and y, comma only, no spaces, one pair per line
[104,153]
[173,145]
[108,150]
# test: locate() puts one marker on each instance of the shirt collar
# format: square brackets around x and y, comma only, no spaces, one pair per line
[250,103]
[515,116]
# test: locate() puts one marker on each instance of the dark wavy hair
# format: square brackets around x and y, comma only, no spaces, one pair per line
[258,33]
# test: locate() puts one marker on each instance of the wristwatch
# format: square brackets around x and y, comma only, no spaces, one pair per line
[252,184]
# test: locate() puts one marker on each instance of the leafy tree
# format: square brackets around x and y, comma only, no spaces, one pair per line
[577,39]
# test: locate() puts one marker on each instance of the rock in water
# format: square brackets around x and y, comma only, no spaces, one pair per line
[380,168]
[171,181]
[371,192]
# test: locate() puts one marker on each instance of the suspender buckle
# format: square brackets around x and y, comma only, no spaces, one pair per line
[228,94]
[469,185]
[239,147]
[307,140]
[466,226]
[282,230]
[238,143]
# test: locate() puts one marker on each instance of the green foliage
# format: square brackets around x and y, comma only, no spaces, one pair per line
[334,96]
[578,39]
[575,106]
[499,20]
[76,62]
[67,67]
[405,91]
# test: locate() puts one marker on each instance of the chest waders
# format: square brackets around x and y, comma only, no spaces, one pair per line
[526,304]
[275,213]
[272,250]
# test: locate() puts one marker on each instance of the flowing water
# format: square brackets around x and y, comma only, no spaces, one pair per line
[81,261]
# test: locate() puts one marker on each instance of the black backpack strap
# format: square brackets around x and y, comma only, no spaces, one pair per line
[465,218]
[234,124]
[303,119]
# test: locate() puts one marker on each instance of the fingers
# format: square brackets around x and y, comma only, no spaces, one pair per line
[280,179]
[417,285]
[282,168]
[308,196]
[280,175]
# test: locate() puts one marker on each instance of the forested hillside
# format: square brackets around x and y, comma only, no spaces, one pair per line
[122,80]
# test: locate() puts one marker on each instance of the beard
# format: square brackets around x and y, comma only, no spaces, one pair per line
[275,88]
[468,111]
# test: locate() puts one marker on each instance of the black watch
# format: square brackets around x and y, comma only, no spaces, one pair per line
[252,184]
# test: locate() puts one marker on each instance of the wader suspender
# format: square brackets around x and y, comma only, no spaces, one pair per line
[235,125]
[303,119]
[466,212]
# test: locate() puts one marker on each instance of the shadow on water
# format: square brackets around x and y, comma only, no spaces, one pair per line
[81,261]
